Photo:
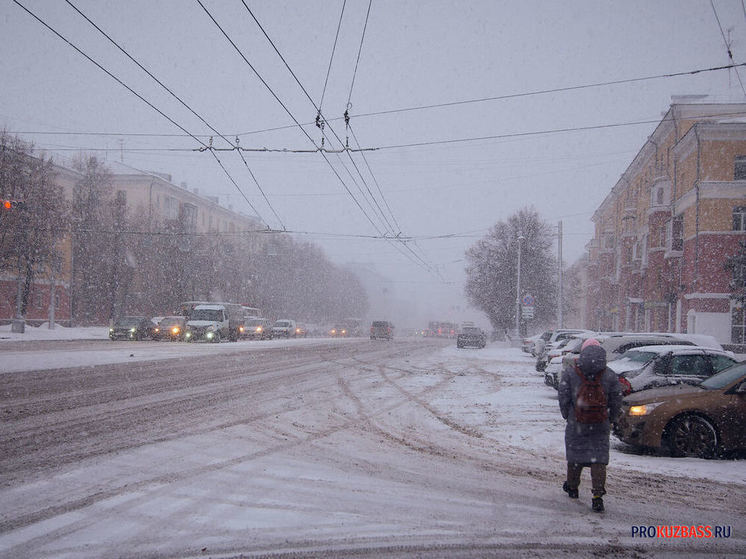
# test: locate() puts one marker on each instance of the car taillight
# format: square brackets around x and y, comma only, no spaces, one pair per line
[626,386]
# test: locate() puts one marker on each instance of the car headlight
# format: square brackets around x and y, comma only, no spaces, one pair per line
[133,330]
[210,335]
[188,335]
[175,330]
[259,329]
[111,330]
[643,409]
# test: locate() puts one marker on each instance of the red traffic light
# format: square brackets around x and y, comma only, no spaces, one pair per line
[10,204]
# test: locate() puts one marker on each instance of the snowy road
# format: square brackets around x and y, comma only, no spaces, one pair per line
[363,449]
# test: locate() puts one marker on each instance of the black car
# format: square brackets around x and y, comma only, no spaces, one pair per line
[132,328]
[471,336]
[171,328]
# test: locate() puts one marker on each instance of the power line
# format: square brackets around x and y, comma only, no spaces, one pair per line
[37,18]
[282,104]
[727,44]
[319,115]
[359,51]
[407,109]
[331,58]
[164,86]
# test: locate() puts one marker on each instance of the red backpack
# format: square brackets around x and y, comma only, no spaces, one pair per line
[591,405]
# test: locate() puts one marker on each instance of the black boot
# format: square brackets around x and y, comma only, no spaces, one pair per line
[597,504]
[572,493]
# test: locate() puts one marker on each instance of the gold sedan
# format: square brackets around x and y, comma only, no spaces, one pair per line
[704,421]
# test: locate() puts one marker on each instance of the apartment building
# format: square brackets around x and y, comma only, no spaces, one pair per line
[153,195]
[665,231]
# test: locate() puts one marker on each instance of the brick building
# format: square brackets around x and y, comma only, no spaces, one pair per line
[665,231]
[144,194]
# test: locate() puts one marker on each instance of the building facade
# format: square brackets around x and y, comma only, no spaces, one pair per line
[666,230]
[151,195]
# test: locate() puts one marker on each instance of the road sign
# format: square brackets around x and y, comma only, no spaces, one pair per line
[528,301]
[527,312]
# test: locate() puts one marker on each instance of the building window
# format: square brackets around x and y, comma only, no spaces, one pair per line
[739,172]
[739,218]
[738,325]
[677,233]
[170,207]
[189,216]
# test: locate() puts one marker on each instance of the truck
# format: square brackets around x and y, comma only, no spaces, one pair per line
[214,321]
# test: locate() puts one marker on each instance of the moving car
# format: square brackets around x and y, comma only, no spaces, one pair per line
[652,366]
[171,328]
[284,328]
[702,421]
[257,329]
[471,336]
[300,330]
[338,331]
[132,328]
[381,330]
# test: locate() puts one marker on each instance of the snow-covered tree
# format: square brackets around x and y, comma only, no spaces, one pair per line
[492,268]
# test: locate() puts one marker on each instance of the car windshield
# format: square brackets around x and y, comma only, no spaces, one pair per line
[282,323]
[256,323]
[168,322]
[380,324]
[724,378]
[213,315]
[471,330]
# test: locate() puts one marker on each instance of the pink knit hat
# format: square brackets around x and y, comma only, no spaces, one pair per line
[589,341]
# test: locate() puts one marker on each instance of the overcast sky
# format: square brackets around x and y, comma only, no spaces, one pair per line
[414,55]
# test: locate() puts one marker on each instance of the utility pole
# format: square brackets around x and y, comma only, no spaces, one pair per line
[560,274]
[518,291]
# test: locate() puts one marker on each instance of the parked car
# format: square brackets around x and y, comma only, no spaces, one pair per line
[652,366]
[556,337]
[381,330]
[615,345]
[132,328]
[527,344]
[257,329]
[701,421]
[171,328]
[471,336]
[283,328]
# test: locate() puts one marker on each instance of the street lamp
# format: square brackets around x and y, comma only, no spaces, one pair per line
[518,290]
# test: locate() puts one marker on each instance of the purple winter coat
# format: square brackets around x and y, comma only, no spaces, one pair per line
[588,443]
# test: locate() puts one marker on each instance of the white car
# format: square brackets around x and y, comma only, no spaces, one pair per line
[652,366]
[284,328]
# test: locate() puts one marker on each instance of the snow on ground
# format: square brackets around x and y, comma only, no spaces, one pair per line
[60,357]
[526,410]
[528,414]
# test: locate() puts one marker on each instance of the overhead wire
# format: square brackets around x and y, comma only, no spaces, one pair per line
[727,45]
[190,109]
[128,88]
[359,51]
[320,115]
[290,114]
[331,58]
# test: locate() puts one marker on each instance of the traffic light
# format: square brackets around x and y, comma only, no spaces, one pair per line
[8,205]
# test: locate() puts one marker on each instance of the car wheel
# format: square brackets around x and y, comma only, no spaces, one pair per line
[691,435]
